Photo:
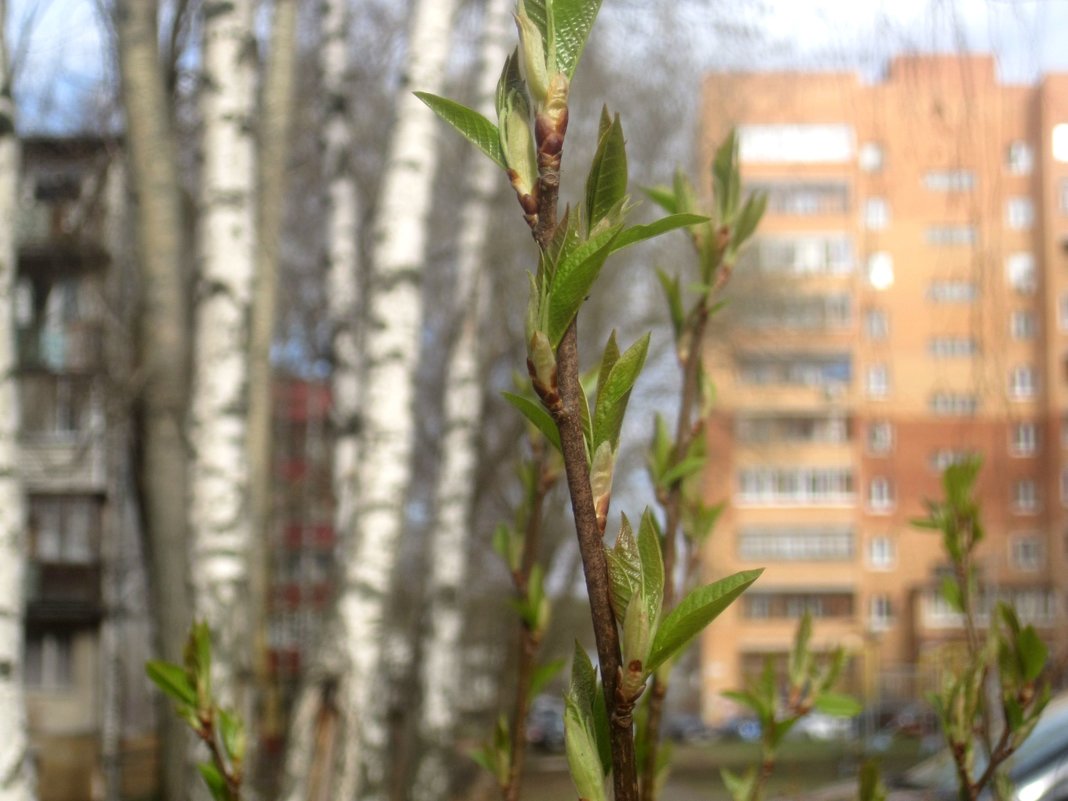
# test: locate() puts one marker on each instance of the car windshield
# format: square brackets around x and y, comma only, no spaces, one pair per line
[1049,739]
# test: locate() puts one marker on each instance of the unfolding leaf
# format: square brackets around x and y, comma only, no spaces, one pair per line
[639,233]
[673,295]
[614,393]
[172,680]
[838,705]
[536,414]
[214,780]
[652,563]
[1033,653]
[573,278]
[682,470]
[570,25]
[663,197]
[739,785]
[543,674]
[474,127]
[606,184]
[696,611]
[624,568]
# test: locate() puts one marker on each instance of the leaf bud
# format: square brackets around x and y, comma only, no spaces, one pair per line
[542,366]
[601,471]
[583,757]
[518,141]
[535,70]
[637,642]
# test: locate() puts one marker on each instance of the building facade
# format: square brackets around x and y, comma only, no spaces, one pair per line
[905,304]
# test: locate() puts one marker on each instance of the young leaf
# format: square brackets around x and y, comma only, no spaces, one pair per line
[613,394]
[652,563]
[838,705]
[583,679]
[214,780]
[800,656]
[684,469]
[606,184]
[474,127]
[748,219]
[535,9]
[536,414]
[608,360]
[1033,653]
[543,674]
[673,294]
[639,233]
[232,729]
[624,568]
[740,786]
[696,611]
[570,24]
[573,278]
[172,680]
[663,197]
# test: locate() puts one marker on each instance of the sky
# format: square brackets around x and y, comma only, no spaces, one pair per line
[64,61]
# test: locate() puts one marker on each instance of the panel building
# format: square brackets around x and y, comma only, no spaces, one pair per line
[904,305]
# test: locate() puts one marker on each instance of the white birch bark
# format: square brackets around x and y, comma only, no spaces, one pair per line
[441,669]
[386,398]
[306,747]
[218,424]
[16,781]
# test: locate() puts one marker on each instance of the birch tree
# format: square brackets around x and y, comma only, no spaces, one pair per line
[16,781]
[441,668]
[163,338]
[218,422]
[386,397]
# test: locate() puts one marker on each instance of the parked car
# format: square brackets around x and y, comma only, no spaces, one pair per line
[545,724]
[687,728]
[820,726]
[1038,770]
[744,728]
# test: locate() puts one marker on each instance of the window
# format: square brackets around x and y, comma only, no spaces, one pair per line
[880,613]
[1022,324]
[881,270]
[48,661]
[952,347]
[813,254]
[880,437]
[1027,552]
[1019,158]
[794,604]
[1020,271]
[1019,213]
[795,144]
[949,235]
[949,180]
[803,198]
[802,313]
[796,544]
[953,404]
[65,528]
[1022,385]
[944,457]
[952,291]
[56,405]
[880,495]
[792,428]
[877,381]
[876,325]
[871,157]
[1060,142]
[1024,440]
[809,370]
[876,213]
[881,553]
[1025,496]
[795,486]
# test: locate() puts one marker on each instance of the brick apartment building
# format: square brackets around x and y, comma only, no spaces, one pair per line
[905,304]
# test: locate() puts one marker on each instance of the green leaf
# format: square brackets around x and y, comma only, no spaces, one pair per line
[172,680]
[748,219]
[624,568]
[570,24]
[639,233]
[652,563]
[684,469]
[696,611]
[614,393]
[800,656]
[573,278]
[583,679]
[740,786]
[474,127]
[543,674]
[232,729]
[608,360]
[838,705]
[952,594]
[663,197]
[1033,653]
[725,179]
[673,295]
[606,184]
[214,780]
[510,83]
[536,414]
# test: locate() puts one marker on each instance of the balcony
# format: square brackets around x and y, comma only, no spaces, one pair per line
[76,347]
[62,592]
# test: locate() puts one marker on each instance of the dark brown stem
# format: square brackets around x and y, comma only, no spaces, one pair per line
[595,566]
[684,434]
[230,776]
[528,639]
